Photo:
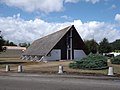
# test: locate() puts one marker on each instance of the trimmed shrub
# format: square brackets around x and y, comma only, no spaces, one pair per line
[116,60]
[92,61]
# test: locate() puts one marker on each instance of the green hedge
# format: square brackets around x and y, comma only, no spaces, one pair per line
[92,61]
[116,60]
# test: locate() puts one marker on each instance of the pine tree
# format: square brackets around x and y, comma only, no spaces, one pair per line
[104,46]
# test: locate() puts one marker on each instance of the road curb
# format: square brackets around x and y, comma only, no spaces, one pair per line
[60,76]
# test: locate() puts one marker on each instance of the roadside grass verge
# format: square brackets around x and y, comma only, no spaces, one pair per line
[13,62]
[116,69]
[50,67]
[9,59]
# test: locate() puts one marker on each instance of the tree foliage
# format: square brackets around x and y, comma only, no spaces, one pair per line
[1,42]
[92,46]
[115,45]
[5,43]
[24,44]
[116,60]
[104,46]
[8,43]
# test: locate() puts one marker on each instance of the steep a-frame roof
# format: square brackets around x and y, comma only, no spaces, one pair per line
[44,45]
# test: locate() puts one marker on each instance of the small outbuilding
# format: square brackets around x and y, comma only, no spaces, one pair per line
[12,51]
[65,44]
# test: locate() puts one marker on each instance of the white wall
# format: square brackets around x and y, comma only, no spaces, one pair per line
[55,54]
[115,53]
[78,54]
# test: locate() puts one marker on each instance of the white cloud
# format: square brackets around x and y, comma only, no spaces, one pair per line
[75,1]
[93,1]
[45,6]
[117,17]
[98,30]
[66,17]
[71,1]
[19,30]
[36,5]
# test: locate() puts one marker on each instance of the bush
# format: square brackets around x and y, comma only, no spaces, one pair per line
[116,60]
[92,61]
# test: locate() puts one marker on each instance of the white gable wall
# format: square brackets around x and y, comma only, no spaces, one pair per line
[79,54]
[55,54]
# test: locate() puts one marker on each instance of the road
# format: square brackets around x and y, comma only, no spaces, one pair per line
[55,83]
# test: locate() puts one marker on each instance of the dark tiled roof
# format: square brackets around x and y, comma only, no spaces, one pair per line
[45,44]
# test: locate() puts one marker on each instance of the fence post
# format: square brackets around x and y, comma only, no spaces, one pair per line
[60,71]
[110,71]
[7,68]
[20,69]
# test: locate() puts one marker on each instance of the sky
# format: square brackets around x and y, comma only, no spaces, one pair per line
[27,20]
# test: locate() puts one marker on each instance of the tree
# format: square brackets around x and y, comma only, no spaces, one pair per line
[24,44]
[1,42]
[92,46]
[28,45]
[8,43]
[12,44]
[115,45]
[104,46]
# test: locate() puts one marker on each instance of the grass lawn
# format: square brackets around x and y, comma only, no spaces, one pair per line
[116,69]
[13,62]
[49,67]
